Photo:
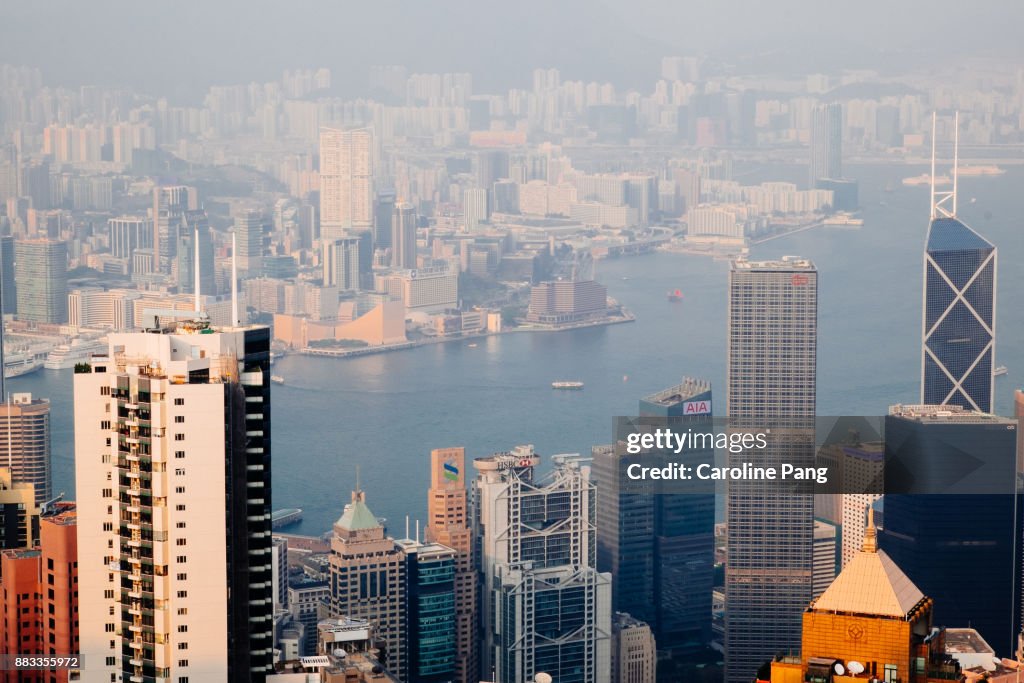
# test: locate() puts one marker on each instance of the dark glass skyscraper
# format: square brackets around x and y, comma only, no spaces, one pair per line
[958,327]
[963,550]
[659,548]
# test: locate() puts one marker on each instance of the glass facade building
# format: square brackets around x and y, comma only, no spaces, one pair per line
[958,335]
[430,612]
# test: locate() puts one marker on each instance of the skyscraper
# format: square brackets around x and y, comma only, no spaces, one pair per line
[474,207]
[544,606]
[195,223]
[368,577]
[41,275]
[346,181]
[403,237]
[772,359]
[826,142]
[129,233]
[959,317]
[383,217]
[170,202]
[448,524]
[963,549]
[20,514]
[341,258]
[430,606]
[659,548]
[25,442]
[172,463]
[9,296]
[252,231]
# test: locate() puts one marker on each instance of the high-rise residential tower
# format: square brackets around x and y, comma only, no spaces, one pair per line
[41,275]
[826,142]
[172,467]
[341,261]
[544,606]
[25,442]
[346,181]
[770,375]
[403,237]
[448,524]
[252,234]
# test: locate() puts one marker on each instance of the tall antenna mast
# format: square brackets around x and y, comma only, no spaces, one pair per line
[932,176]
[956,155]
[234,279]
[195,248]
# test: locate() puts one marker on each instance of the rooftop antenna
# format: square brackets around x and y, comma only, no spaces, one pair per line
[234,279]
[417,531]
[195,248]
[932,176]
[10,448]
[407,526]
[956,154]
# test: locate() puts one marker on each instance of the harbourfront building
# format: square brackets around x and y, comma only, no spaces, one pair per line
[25,435]
[567,301]
[770,376]
[659,547]
[959,317]
[172,463]
[544,605]
[448,523]
[957,532]
[41,277]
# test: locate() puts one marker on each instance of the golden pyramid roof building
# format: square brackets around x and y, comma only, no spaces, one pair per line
[870,584]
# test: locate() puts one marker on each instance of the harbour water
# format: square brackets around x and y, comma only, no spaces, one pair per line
[385,412]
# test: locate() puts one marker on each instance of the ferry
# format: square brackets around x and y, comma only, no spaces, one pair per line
[675,295]
[78,351]
[277,379]
[472,346]
[999,371]
[843,220]
[566,385]
[980,170]
[286,517]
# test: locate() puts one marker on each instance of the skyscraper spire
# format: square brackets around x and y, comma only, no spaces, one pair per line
[870,533]
[931,202]
[195,249]
[956,155]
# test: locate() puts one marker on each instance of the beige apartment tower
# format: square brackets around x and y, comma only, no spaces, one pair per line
[448,524]
[25,442]
[346,180]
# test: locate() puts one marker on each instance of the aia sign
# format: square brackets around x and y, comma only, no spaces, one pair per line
[697,408]
[799,280]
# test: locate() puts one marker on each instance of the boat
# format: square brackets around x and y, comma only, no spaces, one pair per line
[926,179]
[980,170]
[843,220]
[999,371]
[566,385]
[18,364]
[472,346]
[675,295]
[277,379]
[78,351]
[286,517]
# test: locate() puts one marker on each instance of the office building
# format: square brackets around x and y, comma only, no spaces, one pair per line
[634,652]
[566,301]
[770,376]
[544,606]
[403,236]
[659,548]
[308,600]
[25,436]
[383,218]
[172,465]
[170,202]
[873,622]
[958,326]
[41,278]
[279,561]
[956,536]
[129,233]
[341,261]
[448,523]
[39,597]
[426,289]
[195,224]
[824,557]
[430,612]
[8,288]
[826,142]
[252,239]
[368,578]
[18,512]
[346,181]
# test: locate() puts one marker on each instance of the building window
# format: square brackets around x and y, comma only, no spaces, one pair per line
[180,507]
[182,646]
[182,559]
[180,525]
[179,437]
[179,489]
[111,661]
[108,493]
[179,418]
[104,391]
[179,471]
[182,594]
[109,628]
[105,425]
[183,628]
[179,401]
[182,577]
[179,454]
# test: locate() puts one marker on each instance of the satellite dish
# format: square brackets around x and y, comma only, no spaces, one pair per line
[855,668]
[542,678]
[839,669]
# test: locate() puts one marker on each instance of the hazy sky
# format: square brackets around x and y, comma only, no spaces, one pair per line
[179,48]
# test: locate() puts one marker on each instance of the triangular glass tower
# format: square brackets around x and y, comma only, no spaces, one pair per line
[959,320]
